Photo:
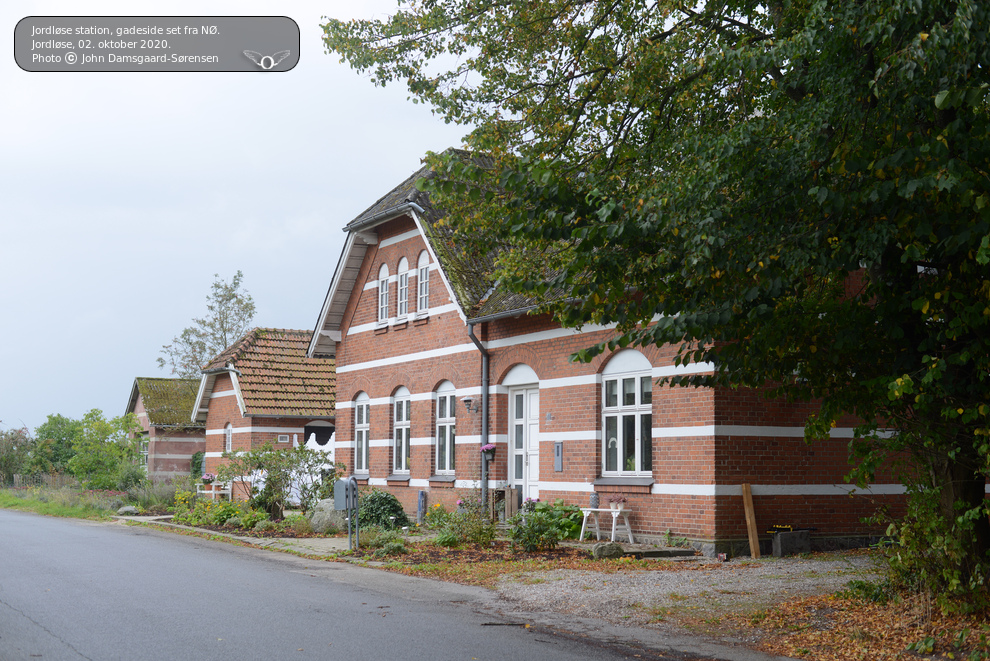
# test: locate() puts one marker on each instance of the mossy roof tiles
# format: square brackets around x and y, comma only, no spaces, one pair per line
[167,402]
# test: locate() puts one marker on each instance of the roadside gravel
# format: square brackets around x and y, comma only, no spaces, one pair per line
[694,590]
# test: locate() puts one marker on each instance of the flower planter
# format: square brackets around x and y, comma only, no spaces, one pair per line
[489,456]
[617,506]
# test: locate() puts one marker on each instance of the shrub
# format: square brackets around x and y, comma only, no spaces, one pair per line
[234,522]
[390,548]
[299,524]
[538,530]
[265,525]
[436,515]
[129,476]
[373,537]
[377,507]
[469,526]
[153,493]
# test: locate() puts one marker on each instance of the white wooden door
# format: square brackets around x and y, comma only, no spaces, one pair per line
[524,441]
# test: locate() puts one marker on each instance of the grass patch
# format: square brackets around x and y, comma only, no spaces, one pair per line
[68,503]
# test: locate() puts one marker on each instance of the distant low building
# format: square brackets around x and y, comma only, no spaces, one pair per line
[170,439]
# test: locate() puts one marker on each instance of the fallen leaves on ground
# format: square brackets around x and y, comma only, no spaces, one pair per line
[475,564]
[839,627]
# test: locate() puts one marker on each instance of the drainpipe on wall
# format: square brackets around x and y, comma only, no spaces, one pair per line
[484,411]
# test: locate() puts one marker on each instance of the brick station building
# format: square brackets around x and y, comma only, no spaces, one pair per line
[434,360]
[264,389]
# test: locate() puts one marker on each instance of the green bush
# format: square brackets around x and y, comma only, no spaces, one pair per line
[196,465]
[390,548]
[265,525]
[234,522]
[377,507]
[299,524]
[436,515]
[538,530]
[470,526]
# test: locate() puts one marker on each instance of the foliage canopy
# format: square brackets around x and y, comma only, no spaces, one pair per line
[229,313]
[795,192]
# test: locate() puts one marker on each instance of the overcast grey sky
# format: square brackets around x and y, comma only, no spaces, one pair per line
[121,194]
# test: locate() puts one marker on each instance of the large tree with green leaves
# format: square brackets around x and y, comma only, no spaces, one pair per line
[106,451]
[229,311]
[53,447]
[797,192]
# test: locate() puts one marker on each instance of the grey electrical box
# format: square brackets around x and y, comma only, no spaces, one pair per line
[345,495]
[558,456]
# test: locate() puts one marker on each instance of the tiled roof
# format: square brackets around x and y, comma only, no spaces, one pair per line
[275,376]
[470,274]
[167,401]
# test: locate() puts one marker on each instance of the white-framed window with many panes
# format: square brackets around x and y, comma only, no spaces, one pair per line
[402,290]
[362,427]
[446,421]
[423,285]
[401,413]
[627,415]
[383,295]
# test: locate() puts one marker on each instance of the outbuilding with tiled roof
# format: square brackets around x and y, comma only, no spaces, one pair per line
[265,389]
[170,438]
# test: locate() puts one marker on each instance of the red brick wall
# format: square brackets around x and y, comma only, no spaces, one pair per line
[697,474]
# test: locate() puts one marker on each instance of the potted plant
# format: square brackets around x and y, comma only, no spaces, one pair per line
[617,501]
[208,478]
[488,451]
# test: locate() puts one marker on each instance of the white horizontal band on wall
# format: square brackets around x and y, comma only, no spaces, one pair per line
[430,312]
[223,393]
[260,430]
[407,358]
[174,439]
[398,238]
[380,443]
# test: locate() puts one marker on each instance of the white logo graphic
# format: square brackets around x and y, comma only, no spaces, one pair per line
[266,62]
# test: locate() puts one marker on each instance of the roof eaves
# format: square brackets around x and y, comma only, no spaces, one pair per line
[384,216]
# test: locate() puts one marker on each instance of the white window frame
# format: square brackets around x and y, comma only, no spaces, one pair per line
[402,306]
[445,440]
[228,438]
[401,414]
[383,302]
[362,431]
[622,414]
[282,438]
[423,285]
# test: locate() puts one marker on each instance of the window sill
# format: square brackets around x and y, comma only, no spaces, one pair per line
[398,477]
[401,322]
[381,330]
[443,480]
[623,481]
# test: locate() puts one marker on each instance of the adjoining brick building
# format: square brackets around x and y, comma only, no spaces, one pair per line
[169,439]
[264,389]
[434,360]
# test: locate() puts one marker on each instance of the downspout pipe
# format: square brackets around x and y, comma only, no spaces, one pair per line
[485,356]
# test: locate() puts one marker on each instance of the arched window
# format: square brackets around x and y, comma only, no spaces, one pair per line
[383,295]
[423,282]
[228,438]
[402,307]
[401,408]
[446,419]
[362,425]
[627,415]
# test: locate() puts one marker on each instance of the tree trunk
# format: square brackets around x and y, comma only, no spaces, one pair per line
[962,488]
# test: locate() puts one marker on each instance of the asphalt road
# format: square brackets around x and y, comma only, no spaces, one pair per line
[73,589]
